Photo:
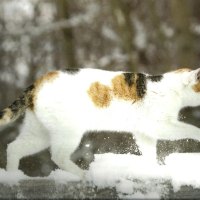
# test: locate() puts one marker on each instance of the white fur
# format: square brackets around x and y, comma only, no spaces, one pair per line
[64,112]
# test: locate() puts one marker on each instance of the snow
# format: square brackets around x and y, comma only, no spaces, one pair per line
[108,33]
[48,12]
[131,167]
[8,45]
[16,11]
[92,10]
[167,30]
[195,28]
[11,178]
[132,176]
[104,61]
[184,169]
[87,145]
[61,177]
[7,77]
[108,170]
[22,71]
[140,39]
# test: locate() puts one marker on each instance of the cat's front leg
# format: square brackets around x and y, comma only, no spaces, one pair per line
[147,145]
[61,154]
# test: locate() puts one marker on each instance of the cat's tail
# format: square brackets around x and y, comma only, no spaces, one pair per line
[18,107]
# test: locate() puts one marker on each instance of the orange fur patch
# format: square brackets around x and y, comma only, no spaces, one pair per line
[181,70]
[46,78]
[49,77]
[196,87]
[122,90]
[100,94]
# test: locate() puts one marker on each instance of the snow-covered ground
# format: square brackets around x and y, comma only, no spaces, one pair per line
[132,176]
[122,171]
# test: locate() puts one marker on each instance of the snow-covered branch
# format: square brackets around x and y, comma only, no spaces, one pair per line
[49,189]
[53,26]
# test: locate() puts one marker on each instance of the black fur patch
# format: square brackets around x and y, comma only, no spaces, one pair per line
[141,85]
[72,70]
[155,78]
[99,142]
[30,88]
[17,104]
[23,101]
[29,96]
[129,78]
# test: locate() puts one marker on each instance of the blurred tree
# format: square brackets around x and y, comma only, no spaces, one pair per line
[66,35]
[121,11]
[160,40]
[184,39]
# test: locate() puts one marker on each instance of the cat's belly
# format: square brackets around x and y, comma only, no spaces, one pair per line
[81,118]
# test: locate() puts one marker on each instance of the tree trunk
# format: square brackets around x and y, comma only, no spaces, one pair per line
[67,38]
[122,18]
[180,11]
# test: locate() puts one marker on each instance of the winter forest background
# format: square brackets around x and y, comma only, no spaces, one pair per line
[37,36]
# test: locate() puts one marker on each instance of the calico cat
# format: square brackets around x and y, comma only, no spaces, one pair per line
[62,105]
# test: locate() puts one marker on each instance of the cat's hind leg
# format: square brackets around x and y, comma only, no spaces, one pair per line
[32,139]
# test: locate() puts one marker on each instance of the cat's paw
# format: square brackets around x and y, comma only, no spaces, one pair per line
[62,176]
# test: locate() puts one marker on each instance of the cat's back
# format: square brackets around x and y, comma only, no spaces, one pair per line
[71,83]
[99,88]
[72,90]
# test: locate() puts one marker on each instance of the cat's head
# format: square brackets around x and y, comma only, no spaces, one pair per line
[186,83]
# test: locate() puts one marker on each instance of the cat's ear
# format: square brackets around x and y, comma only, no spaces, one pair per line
[194,76]
[191,77]
[196,84]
